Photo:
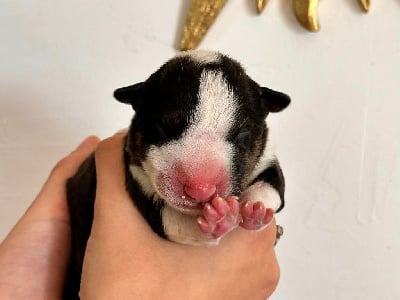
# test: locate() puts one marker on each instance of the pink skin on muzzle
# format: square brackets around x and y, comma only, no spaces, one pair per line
[191,185]
[202,180]
[200,190]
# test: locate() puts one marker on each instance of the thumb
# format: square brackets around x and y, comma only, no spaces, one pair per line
[113,206]
[110,169]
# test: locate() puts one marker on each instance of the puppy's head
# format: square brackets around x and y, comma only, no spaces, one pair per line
[199,127]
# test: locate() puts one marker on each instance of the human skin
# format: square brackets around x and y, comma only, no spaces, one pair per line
[125,259]
[243,266]
[34,255]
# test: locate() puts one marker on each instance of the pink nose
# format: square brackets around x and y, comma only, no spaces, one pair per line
[200,192]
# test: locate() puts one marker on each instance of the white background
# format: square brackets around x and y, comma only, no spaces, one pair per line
[339,142]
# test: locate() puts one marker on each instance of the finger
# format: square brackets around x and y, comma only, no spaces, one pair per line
[114,208]
[110,191]
[34,259]
[51,200]
[109,159]
[35,253]
[50,204]
[266,236]
[67,167]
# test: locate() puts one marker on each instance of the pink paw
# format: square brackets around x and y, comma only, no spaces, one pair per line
[219,216]
[255,215]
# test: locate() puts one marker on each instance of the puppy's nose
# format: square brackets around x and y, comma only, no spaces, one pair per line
[200,192]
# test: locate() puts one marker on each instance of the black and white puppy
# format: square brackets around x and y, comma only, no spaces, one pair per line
[197,155]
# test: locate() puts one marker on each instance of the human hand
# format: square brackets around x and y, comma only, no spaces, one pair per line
[34,256]
[125,260]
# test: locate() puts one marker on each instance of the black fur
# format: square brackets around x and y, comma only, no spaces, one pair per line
[81,192]
[164,106]
[151,210]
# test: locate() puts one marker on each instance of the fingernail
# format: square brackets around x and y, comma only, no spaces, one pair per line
[90,140]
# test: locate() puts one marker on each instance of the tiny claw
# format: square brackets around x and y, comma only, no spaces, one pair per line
[247,209]
[219,216]
[233,203]
[204,226]
[258,211]
[255,216]
[220,205]
[210,213]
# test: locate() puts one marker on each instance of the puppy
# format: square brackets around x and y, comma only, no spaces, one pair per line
[198,161]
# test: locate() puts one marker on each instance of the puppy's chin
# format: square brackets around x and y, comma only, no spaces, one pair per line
[186,206]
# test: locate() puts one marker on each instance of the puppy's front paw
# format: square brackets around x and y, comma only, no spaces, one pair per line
[219,216]
[255,215]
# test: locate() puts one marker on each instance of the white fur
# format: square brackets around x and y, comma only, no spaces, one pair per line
[204,140]
[140,176]
[218,104]
[183,228]
[264,192]
[201,56]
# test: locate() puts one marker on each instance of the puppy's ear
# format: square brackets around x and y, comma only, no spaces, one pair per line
[274,101]
[131,94]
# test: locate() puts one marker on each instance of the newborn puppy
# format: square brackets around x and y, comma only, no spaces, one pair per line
[197,155]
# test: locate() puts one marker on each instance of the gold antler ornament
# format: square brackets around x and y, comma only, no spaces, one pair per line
[203,13]
[365,5]
[261,5]
[306,13]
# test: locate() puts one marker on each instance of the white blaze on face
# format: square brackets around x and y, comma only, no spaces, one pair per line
[201,157]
